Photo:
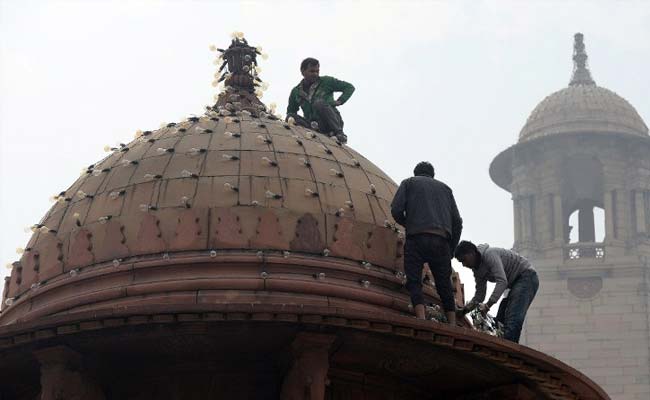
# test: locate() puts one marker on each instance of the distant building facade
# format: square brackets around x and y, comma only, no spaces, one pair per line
[583,162]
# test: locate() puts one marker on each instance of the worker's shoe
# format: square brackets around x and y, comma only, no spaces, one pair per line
[342,138]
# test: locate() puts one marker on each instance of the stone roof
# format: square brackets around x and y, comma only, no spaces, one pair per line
[216,182]
[582,107]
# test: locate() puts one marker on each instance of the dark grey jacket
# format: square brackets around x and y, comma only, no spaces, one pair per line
[423,203]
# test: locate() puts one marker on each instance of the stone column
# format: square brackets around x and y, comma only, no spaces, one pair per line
[586,228]
[517,220]
[307,377]
[63,377]
[524,212]
[639,202]
[559,221]
[609,217]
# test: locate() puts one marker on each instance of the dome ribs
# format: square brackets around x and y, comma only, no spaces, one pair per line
[148,218]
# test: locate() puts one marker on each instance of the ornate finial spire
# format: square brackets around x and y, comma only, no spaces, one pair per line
[239,72]
[581,73]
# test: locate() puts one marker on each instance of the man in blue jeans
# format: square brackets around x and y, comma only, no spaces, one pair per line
[427,209]
[508,270]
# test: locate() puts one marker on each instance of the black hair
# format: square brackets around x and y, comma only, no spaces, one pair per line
[308,62]
[424,168]
[464,248]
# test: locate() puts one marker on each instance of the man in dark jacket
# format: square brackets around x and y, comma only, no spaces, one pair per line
[315,96]
[515,279]
[427,209]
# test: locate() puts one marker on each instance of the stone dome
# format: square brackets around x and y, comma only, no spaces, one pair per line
[581,109]
[215,183]
[234,206]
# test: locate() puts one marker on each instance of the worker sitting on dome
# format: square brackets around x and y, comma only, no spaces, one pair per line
[315,95]
[427,209]
[510,271]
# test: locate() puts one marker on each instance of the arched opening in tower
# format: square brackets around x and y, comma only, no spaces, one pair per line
[583,199]
[587,225]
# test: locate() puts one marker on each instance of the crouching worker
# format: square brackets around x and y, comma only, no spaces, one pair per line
[508,270]
[315,95]
[427,209]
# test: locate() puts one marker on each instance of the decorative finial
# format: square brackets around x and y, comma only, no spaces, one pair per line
[239,72]
[581,73]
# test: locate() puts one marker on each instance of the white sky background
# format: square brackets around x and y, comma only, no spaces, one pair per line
[449,82]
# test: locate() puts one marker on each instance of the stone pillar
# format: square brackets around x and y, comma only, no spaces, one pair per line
[307,377]
[586,227]
[609,217]
[63,377]
[559,221]
[639,202]
[524,212]
[517,220]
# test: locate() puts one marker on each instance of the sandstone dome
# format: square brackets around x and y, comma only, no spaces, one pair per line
[235,183]
[583,108]
[209,185]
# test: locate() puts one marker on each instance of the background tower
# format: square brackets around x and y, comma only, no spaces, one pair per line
[580,183]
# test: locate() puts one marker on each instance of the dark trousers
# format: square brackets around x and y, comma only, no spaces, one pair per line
[512,310]
[329,119]
[434,250]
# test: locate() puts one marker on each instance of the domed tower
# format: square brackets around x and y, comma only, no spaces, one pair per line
[234,255]
[580,183]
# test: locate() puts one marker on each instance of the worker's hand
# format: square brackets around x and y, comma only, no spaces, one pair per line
[483,308]
[468,308]
[337,103]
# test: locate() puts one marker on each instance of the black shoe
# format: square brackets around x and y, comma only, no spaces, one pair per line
[342,138]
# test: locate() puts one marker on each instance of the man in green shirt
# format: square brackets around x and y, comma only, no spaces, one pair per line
[315,95]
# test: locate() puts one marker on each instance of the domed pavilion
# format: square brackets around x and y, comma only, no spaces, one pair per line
[579,178]
[233,255]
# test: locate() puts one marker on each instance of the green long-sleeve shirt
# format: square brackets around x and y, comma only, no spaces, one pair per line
[322,89]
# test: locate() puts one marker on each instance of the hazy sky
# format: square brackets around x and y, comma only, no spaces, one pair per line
[449,82]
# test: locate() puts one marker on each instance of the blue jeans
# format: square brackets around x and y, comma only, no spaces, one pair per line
[513,308]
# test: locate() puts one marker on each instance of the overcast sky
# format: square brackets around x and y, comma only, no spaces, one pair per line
[449,82]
